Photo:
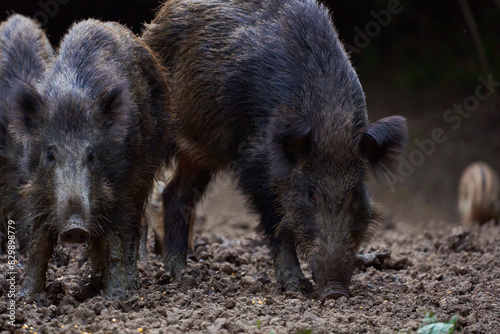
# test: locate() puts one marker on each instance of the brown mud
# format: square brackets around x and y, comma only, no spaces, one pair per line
[229,285]
[428,262]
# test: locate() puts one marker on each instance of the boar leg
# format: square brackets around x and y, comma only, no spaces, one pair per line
[131,241]
[114,261]
[41,249]
[97,256]
[282,244]
[23,235]
[192,219]
[179,201]
[287,266]
[143,248]
[158,247]
[108,260]
[115,276]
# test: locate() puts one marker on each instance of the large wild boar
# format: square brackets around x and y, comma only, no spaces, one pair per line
[265,90]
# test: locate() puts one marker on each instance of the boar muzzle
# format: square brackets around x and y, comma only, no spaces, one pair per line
[334,290]
[76,232]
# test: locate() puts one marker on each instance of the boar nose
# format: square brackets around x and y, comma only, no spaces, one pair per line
[334,290]
[76,232]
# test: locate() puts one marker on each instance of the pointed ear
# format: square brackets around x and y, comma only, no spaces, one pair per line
[291,141]
[382,142]
[115,110]
[24,116]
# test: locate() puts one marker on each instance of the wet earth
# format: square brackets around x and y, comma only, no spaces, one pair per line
[229,287]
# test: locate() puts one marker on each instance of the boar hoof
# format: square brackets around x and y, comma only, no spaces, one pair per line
[174,266]
[28,290]
[31,287]
[298,285]
[334,290]
[114,292]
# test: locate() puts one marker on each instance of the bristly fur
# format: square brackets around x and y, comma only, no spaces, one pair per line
[25,53]
[265,90]
[94,131]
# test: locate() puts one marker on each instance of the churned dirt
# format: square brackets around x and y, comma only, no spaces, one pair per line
[229,287]
[426,263]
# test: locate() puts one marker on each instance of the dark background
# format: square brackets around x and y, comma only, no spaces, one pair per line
[423,62]
[427,43]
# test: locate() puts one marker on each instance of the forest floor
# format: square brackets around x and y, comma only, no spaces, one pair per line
[229,286]
[434,264]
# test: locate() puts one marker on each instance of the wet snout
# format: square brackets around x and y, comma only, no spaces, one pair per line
[76,232]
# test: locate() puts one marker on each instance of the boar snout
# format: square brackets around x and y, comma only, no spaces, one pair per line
[334,290]
[76,232]
[332,271]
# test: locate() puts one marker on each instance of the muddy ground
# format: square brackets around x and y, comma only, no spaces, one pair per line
[229,287]
[435,264]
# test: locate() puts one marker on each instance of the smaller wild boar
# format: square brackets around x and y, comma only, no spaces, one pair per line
[479,194]
[95,132]
[25,53]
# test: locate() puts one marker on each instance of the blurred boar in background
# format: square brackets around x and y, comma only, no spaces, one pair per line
[479,194]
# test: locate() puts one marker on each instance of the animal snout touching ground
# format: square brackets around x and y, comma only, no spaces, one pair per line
[334,290]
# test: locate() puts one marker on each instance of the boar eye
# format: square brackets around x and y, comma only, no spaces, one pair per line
[91,157]
[312,195]
[50,157]
[356,200]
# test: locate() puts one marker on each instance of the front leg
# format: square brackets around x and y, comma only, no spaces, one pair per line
[143,248]
[131,238]
[179,201]
[41,249]
[108,261]
[115,276]
[287,266]
[23,235]
[286,263]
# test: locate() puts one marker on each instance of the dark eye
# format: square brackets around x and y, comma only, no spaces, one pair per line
[50,157]
[91,158]
[356,200]
[312,195]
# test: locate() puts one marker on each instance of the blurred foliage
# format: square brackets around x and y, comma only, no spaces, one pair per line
[427,44]
[430,325]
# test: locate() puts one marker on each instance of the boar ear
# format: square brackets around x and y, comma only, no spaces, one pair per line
[115,115]
[382,142]
[24,115]
[291,141]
